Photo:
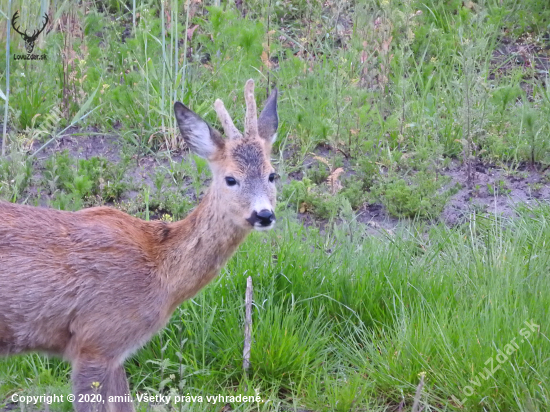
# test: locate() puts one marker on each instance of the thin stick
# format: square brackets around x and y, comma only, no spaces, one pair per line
[268,49]
[184,65]
[134,16]
[176,50]
[418,394]
[8,29]
[247,324]
[164,62]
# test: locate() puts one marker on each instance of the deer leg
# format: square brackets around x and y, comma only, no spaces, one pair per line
[3,345]
[118,386]
[3,348]
[6,335]
[90,379]
[98,381]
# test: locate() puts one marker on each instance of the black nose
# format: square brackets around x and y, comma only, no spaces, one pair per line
[263,217]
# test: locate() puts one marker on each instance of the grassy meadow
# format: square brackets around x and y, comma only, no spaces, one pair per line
[418,110]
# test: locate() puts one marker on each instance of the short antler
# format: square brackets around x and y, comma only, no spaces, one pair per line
[251,120]
[227,123]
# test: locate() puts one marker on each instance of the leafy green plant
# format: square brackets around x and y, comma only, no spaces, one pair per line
[423,196]
[67,201]
[83,178]
[15,176]
[318,173]
[306,196]
[499,188]
[32,103]
[354,192]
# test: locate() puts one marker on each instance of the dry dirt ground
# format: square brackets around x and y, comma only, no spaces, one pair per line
[495,191]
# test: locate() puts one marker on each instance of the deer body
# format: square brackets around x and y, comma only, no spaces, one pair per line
[158,265]
[95,285]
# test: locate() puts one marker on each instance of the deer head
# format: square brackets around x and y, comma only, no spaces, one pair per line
[29,40]
[243,177]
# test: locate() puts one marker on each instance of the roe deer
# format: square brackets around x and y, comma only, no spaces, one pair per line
[95,285]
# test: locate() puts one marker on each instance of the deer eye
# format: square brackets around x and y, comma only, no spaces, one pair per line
[272,177]
[230,181]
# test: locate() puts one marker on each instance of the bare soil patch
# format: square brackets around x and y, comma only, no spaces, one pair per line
[495,191]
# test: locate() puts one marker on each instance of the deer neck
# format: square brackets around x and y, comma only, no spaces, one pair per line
[198,246]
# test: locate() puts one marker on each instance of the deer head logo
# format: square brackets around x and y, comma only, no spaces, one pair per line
[29,40]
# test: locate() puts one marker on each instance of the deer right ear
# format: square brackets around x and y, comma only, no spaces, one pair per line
[269,119]
[198,135]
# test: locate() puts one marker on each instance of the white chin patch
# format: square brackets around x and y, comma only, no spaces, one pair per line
[260,228]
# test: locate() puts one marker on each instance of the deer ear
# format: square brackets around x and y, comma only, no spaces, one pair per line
[269,120]
[199,136]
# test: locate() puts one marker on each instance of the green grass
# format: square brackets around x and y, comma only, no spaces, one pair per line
[393,92]
[350,319]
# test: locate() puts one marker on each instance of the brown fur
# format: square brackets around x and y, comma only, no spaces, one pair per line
[95,285]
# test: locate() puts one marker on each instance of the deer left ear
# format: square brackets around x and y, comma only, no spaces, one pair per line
[268,122]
